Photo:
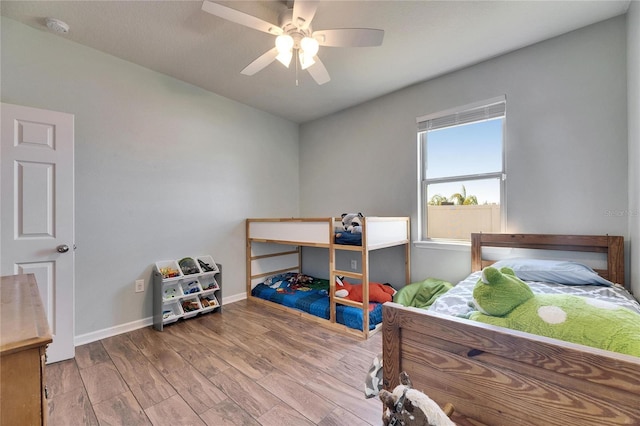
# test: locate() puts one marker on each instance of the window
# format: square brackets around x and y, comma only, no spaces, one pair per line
[461,171]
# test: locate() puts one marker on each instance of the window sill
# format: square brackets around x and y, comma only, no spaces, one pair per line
[443,245]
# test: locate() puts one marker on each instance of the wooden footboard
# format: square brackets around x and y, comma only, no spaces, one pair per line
[499,376]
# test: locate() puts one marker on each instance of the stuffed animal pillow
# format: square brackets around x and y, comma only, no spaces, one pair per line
[352,222]
[377,292]
[504,300]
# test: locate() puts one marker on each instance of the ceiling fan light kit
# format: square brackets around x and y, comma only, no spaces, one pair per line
[285,57]
[294,33]
[310,46]
[284,45]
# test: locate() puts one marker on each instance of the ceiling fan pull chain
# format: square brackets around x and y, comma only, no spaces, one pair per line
[296,71]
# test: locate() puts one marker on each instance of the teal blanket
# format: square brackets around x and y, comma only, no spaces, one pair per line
[422,294]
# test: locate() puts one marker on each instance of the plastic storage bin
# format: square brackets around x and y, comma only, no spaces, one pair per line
[171,312]
[209,283]
[189,266]
[207,264]
[169,269]
[209,302]
[172,291]
[191,287]
[191,307]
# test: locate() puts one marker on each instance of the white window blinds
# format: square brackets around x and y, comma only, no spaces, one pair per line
[487,110]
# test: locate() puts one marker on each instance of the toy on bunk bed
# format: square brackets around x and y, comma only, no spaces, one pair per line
[352,222]
[377,292]
[291,281]
[409,407]
[351,232]
[505,300]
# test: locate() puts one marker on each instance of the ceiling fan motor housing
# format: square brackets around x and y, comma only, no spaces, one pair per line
[285,20]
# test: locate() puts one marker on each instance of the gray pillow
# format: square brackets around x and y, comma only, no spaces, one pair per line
[553,271]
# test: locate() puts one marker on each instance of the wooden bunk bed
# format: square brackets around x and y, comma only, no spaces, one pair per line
[274,246]
[497,376]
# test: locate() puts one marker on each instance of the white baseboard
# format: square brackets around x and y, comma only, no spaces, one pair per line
[83,339]
[235,298]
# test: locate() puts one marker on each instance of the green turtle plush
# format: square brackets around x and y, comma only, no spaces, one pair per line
[503,299]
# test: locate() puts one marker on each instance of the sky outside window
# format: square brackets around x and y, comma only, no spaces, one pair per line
[468,149]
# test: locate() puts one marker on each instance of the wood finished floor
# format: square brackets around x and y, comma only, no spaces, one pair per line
[248,365]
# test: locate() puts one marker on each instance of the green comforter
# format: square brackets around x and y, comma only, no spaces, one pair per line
[422,294]
[574,319]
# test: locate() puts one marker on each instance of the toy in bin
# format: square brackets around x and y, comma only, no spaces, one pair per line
[192,287]
[188,266]
[205,266]
[170,293]
[190,305]
[169,272]
[208,302]
[211,285]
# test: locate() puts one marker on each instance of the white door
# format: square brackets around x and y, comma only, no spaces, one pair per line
[37,207]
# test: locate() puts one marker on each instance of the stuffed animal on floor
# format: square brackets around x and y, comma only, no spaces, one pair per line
[352,222]
[377,292]
[409,407]
[373,380]
[505,300]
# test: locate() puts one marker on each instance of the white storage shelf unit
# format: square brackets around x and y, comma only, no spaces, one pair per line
[184,292]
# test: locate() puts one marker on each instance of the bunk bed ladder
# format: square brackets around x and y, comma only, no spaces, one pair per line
[362,277]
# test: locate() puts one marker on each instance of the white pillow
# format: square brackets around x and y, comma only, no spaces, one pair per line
[553,271]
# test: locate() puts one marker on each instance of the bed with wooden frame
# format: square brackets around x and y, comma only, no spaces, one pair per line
[497,376]
[274,246]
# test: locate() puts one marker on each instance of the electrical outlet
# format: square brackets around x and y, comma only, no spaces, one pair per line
[354,265]
[139,286]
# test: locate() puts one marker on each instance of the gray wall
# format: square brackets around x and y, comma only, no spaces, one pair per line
[163,169]
[566,143]
[633,97]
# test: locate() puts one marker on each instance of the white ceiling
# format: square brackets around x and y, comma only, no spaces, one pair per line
[423,39]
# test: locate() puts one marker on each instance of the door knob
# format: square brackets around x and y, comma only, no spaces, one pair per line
[62,248]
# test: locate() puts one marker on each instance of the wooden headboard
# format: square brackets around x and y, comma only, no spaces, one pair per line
[611,246]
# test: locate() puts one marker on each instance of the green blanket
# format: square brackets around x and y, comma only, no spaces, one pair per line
[505,300]
[422,294]
[574,319]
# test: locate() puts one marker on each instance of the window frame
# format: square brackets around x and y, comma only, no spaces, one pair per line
[424,182]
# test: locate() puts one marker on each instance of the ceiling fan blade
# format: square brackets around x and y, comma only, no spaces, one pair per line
[261,62]
[349,37]
[240,17]
[303,12]
[319,72]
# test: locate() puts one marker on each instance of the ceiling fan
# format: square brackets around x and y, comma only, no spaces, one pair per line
[294,35]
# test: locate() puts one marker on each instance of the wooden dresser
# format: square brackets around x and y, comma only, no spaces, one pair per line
[24,336]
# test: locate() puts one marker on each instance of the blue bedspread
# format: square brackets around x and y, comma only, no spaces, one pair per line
[316,302]
[348,238]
